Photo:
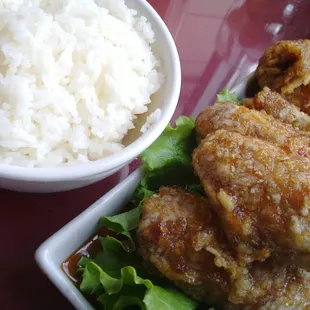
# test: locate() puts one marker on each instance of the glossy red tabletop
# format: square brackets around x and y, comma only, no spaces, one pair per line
[219,42]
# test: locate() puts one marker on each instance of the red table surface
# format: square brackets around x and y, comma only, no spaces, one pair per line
[220,42]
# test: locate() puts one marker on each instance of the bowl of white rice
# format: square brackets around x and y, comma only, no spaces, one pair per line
[85,87]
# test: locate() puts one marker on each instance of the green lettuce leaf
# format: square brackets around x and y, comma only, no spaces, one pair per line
[130,289]
[173,146]
[128,221]
[107,266]
[125,222]
[115,255]
[167,299]
[168,160]
[142,193]
[120,302]
[94,276]
[122,222]
[111,244]
[91,280]
[112,276]
[226,96]
[83,261]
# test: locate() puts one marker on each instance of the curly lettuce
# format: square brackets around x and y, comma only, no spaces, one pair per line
[112,276]
[226,96]
[168,161]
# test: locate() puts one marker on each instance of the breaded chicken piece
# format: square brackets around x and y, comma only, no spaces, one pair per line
[271,286]
[274,104]
[236,118]
[285,68]
[260,193]
[296,295]
[181,236]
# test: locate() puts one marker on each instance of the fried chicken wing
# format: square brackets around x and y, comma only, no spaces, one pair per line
[182,237]
[285,68]
[236,118]
[274,104]
[261,194]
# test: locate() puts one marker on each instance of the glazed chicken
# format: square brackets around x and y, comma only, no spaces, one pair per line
[182,237]
[246,244]
[175,226]
[261,193]
[236,118]
[285,68]
[274,104]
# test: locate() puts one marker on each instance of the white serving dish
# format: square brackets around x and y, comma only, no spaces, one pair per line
[62,244]
[66,178]
[54,251]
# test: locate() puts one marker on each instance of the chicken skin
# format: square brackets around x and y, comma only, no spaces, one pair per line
[274,104]
[236,118]
[261,194]
[182,237]
[285,68]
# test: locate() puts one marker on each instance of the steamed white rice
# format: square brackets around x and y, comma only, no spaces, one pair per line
[74,75]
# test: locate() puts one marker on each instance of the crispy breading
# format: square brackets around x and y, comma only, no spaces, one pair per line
[270,285]
[296,295]
[175,226]
[181,236]
[274,104]
[261,193]
[285,68]
[236,118]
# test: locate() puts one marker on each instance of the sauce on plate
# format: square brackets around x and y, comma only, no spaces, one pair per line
[90,247]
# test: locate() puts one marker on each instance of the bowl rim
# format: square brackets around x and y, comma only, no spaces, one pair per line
[130,152]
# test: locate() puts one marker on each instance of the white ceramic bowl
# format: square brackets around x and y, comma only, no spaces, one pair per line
[66,178]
